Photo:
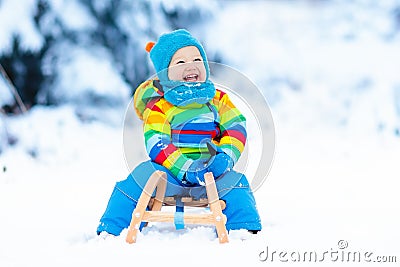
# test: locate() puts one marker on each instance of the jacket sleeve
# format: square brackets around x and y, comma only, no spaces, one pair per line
[233,127]
[157,137]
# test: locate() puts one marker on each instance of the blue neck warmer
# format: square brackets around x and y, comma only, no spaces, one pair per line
[181,93]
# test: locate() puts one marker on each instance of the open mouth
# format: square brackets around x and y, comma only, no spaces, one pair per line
[191,78]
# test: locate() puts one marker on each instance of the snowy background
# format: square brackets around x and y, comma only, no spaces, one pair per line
[328,69]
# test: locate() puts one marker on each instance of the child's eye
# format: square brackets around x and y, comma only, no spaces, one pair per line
[197,59]
[180,62]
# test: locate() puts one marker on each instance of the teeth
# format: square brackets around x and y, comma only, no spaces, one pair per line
[191,76]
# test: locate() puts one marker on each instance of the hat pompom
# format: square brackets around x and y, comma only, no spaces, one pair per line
[149,46]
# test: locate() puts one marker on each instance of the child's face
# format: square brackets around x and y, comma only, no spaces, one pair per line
[187,65]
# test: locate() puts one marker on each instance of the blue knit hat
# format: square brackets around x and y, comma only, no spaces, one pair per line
[162,52]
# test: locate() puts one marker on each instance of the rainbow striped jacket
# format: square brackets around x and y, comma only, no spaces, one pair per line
[175,136]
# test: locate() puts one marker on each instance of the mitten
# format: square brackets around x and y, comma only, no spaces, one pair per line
[219,164]
[196,171]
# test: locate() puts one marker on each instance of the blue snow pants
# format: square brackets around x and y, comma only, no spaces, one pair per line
[232,187]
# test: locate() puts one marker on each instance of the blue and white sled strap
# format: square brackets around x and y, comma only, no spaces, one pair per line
[178,216]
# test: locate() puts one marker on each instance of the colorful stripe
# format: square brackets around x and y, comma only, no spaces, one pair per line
[174,136]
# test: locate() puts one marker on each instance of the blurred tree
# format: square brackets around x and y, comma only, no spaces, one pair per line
[24,69]
[120,27]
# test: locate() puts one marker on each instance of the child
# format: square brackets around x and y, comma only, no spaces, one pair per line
[190,128]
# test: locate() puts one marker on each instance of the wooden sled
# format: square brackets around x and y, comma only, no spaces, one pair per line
[158,181]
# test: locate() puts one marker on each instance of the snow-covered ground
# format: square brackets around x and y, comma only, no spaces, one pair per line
[335,174]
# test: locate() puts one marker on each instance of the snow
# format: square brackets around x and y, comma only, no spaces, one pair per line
[329,73]
[24,29]
[83,69]
[73,14]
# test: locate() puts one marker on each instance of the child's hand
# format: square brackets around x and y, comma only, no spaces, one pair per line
[219,164]
[196,171]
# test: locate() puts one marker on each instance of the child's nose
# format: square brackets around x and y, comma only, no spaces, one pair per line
[190,66]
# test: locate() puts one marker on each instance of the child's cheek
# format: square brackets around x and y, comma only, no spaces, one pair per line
[175,73]
[202,76]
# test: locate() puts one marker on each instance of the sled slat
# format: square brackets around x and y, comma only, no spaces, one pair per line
[215,207]
[143,201]
[159,216]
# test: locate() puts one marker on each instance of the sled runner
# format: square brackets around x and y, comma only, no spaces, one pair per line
[158,182]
